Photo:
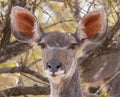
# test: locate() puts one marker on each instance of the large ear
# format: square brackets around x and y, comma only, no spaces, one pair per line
[24,25]
[93,25]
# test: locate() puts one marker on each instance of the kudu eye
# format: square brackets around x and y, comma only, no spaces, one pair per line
[73,46]
[42,45]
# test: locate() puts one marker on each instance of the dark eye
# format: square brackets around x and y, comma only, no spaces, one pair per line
[83,40]
[42,45]
[73,46]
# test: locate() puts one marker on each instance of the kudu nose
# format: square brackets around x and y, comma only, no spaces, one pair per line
[54,66]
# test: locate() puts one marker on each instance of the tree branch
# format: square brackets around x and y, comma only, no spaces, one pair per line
[23,69]
[13,49]
[77,10]
[17,91]
[35,90]
[110,51]
[4,23]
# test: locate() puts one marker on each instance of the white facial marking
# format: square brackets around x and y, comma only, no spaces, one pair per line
[59,72]
[72,69]
[48,72]
[56,79]
[60,48]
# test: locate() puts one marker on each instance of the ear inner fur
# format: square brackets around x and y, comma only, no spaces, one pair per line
[25,23]
[93,24]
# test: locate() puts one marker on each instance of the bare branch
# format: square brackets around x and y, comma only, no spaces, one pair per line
[103,86]
[59,23]
[13,49]
[3,25]
[110,50]
[23,69]
[77,10]
[17,91]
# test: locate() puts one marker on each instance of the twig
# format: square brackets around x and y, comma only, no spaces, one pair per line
[59,23]
[33,63]
[45,12]
[90,6]
[34,79]
[103,86]
[33,6]
[23,69]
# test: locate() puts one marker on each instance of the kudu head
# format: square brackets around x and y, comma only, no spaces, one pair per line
[58,49]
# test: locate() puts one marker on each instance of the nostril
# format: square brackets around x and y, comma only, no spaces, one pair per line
[54,66]
[58,67]
[49,66]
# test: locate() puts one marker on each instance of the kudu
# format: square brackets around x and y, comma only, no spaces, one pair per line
[106,71]
[59,49]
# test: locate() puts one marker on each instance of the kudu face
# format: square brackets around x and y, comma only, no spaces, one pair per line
[58,49]
[58,53]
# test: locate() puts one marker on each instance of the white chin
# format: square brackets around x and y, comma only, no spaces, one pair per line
[57,77]
[58,73]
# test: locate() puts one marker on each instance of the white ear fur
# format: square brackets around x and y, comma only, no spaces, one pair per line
[36,29]
[81,34]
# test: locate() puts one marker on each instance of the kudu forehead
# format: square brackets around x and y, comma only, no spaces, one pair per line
[58,39]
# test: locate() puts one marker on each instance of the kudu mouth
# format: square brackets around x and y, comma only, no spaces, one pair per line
[54,69]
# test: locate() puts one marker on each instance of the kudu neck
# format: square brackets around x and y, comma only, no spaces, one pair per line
[69,87]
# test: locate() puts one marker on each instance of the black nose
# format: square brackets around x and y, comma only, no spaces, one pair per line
[54,66]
